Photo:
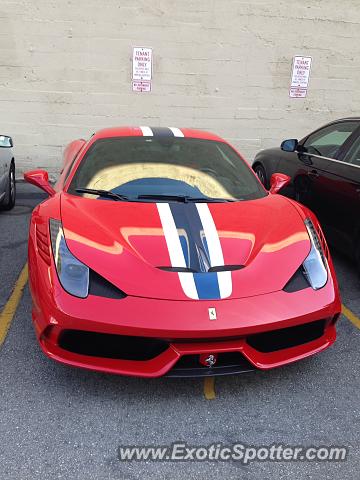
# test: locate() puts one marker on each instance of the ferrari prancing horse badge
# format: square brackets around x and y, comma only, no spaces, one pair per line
[212,313]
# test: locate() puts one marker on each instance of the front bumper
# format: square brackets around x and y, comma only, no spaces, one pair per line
[170,361]
[186,330]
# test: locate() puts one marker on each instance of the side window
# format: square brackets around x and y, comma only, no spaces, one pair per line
[328,141]
[353,155]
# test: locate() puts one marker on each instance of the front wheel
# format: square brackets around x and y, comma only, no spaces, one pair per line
[357,256]
[261,174]
[9,201]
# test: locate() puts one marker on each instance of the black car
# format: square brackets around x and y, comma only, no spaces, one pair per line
[325,176]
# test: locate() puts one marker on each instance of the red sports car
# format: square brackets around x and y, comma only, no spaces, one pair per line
[159,252]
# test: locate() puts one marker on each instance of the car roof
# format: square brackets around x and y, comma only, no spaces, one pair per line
[137,132]
[333,122]
[345,119]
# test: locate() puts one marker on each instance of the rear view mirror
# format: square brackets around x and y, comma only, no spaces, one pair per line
[289,145]
[278,181]
[40,178]
[5,141]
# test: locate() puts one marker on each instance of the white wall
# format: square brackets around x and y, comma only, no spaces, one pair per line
[65,69]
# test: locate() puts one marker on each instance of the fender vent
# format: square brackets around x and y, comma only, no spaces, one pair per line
[322,240]
[42,242]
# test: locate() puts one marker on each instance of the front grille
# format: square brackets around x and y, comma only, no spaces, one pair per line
[286,337]
[107,345]
[228,363]
[124,347]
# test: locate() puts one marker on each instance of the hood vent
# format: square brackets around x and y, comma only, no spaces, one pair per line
[177,269]
[226,268]
[220,268]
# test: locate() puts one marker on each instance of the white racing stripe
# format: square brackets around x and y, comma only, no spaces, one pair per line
[146,131]
[176,131]
[215,250]
[175,251]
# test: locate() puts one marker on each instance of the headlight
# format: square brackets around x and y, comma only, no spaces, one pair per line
[315,265]
[73,275]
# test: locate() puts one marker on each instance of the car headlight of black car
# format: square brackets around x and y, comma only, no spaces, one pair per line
[73,274]
[315,265]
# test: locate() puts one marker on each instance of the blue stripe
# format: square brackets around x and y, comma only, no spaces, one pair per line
[185,249]
[205,245]
[162,132]
[191,234]
[207,286]
[195,249]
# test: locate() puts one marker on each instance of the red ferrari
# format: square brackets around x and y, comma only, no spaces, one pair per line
[159,252]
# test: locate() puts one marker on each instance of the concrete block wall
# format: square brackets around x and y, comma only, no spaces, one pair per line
[65,69]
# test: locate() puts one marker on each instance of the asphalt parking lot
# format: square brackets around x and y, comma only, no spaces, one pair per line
[60,422]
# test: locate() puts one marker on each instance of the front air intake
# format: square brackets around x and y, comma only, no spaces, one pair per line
[297,282]
[106,345]
[286,337]
[100,287]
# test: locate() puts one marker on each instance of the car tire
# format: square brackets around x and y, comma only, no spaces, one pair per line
[299,196]
[9,201]
[357,256]
[261,174]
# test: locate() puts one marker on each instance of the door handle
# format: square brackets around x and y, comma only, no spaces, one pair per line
[313,174]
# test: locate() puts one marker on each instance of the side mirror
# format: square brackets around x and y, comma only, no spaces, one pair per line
[278,181]
[289,145]
[5,141]
[40,178]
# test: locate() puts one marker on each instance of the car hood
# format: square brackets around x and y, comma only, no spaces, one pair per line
[185,251]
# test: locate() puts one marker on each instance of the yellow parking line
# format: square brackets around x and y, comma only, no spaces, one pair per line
[350,316]
[9,310]
[209,388]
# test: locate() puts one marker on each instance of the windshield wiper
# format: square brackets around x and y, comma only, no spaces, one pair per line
[103,193]
[160,197]
[183,198]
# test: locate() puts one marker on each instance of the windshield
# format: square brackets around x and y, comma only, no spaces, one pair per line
[135,167]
